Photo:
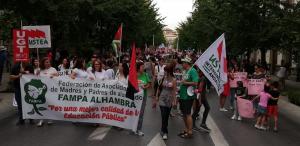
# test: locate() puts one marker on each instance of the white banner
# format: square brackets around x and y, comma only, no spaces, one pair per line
[214,65]
[38,36]
[65,72]
[79,100]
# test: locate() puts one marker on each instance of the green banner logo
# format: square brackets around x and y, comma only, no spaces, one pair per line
[35,94]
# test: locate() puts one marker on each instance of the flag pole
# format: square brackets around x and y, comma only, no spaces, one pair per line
[153,40]
[120,53]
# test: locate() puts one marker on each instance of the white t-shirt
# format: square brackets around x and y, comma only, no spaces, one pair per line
[80,73]
[159,71]
[89,69]
[98,75]
[48,72]
[61,68]
[110,73]
[36,70]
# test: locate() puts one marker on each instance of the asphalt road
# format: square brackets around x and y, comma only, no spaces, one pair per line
[235,133]
[67,134]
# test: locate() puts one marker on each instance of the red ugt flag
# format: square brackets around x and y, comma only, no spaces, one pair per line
[20,45]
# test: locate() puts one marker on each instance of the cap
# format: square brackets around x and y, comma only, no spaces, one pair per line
[187,60]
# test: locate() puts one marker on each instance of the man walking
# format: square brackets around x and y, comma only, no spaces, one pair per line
[187,96]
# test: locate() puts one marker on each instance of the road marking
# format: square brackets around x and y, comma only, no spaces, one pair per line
[99,133]
[215,133]
[157,141]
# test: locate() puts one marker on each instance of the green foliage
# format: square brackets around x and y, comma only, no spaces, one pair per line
[89,23]
[247,25]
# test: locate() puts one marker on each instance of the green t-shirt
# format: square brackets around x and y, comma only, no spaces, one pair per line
[142,80]
[190,76]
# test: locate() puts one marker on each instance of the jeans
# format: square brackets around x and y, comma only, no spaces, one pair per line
[19,102]
[236,111]
[165,114]
[141,118]
[232,96]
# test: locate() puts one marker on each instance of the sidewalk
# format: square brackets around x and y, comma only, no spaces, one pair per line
[6,99]
[6,108]
[5,82]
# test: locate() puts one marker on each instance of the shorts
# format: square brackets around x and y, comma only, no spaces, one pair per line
[261,110]
[272,110]
[186,106]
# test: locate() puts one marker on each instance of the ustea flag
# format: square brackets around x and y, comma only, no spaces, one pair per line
[213,64]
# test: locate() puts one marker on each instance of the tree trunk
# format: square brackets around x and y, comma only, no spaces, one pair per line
[298,66]
[263,55]
[274,61]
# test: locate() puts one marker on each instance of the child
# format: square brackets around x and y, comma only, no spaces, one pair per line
[262,106]
[240,91]
[272,105]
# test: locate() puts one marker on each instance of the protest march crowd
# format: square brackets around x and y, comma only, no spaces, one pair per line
[177,86]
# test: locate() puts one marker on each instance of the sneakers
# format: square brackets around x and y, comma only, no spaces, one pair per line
[195,128]
[139,133]
[204,128]
[262,128]
[50,122]
[239,118]
[165,136]
[223,109]
[40,123]
[256,126]
[233,117]
[275,130]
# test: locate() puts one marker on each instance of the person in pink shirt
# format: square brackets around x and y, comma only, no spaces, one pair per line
[264,97]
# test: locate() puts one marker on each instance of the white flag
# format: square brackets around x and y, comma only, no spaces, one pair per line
[213,64]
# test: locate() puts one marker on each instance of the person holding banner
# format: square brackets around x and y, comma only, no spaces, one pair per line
[17,71]
[46,71]
[166,97]
[64,66]
[79,70]
[35,64]
[123,73]
[144,83]
[187,96]
[232,85]
[97,71]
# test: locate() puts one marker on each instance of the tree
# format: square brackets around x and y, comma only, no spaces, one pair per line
[84,24]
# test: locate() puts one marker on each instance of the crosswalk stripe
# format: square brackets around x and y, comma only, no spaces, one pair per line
[215,133]
[157,141]
[99,133]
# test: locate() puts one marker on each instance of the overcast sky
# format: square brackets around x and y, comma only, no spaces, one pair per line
[175,11]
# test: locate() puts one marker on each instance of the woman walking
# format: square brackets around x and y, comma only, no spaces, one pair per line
[46,70]
[166,97]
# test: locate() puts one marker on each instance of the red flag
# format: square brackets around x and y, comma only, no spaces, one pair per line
[118,35]
[132,78]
